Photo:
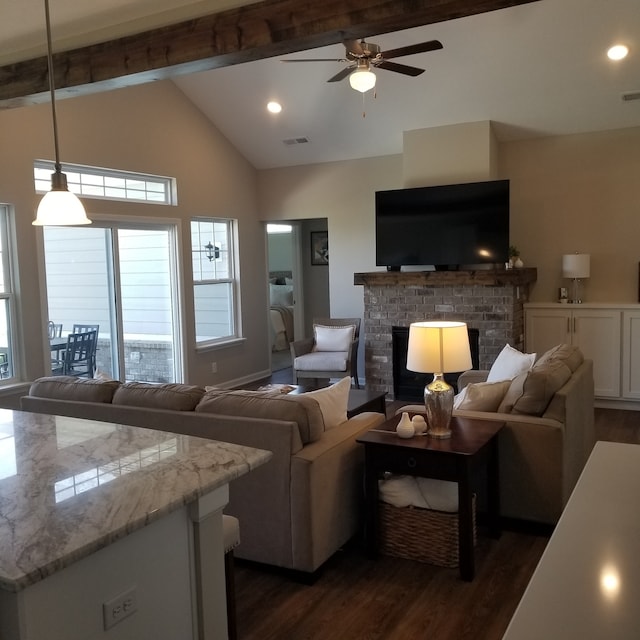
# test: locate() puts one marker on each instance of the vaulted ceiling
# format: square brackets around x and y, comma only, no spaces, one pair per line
[532,67]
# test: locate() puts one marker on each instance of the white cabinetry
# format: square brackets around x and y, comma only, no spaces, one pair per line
[596,329]
[631,354]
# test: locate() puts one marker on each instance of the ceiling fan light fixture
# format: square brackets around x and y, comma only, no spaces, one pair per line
[362,79]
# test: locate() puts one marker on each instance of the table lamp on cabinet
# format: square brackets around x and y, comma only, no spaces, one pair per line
[576,266]
[438,347]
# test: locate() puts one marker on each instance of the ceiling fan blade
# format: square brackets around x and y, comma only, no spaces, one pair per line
[431,45]
[400,68]
[341,75]
[316,60]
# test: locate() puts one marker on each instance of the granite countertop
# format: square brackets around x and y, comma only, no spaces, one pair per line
[69,487]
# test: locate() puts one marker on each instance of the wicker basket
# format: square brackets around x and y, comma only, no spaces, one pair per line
[420,534]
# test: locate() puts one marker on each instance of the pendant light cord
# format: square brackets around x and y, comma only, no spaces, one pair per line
[52,90]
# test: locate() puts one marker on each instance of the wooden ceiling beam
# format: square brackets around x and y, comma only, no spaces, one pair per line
[261,30]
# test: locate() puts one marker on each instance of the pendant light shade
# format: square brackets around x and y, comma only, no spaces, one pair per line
[58,207]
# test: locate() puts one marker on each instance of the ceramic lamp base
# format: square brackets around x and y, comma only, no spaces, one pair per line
[438,402]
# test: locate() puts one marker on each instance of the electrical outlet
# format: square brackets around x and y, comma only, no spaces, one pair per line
[214,367]
[120,607]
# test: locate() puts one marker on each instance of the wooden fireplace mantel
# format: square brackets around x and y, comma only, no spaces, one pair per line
[479,277]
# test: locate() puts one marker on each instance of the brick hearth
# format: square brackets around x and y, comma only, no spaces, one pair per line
[488,300]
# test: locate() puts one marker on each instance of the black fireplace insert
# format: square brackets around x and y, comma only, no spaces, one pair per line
[409,385]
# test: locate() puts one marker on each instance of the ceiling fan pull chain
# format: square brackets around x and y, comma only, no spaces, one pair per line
[364,114]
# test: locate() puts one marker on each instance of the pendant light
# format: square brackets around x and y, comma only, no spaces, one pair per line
[59,206]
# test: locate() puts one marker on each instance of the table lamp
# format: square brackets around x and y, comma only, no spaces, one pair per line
[438,347]
[576,266]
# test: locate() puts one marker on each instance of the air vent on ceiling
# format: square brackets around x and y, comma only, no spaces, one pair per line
[292,141]
[630,95]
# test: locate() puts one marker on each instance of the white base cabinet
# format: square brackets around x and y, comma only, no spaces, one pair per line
[631,354]
[607,334]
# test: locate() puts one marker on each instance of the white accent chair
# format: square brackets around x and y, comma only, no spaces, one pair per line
[331,353]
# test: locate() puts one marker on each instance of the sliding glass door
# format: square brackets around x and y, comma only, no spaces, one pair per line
[121,277]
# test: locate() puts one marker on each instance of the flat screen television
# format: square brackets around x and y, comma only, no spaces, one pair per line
[449,227]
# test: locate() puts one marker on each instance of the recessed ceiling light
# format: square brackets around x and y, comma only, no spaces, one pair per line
[274,107]
[618,52]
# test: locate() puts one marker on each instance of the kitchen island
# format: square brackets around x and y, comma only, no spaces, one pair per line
[112,531]
[587,582]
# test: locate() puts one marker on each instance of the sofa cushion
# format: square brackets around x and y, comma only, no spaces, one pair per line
[301,409]
[76,389]
[322,361]
[482,396]
[333,401]
[531,391]
[509,364]
[177,397]
[333,338]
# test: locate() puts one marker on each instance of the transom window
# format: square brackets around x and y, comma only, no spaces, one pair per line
[214,280]
[109,184]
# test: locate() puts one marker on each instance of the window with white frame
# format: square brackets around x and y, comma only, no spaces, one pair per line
[214,280]
[7,302]
[107,184]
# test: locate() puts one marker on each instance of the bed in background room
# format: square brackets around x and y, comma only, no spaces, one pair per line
[281,310]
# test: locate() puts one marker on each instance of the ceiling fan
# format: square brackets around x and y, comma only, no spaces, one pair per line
[362,56]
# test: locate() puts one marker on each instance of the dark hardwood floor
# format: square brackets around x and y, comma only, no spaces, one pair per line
[356,598]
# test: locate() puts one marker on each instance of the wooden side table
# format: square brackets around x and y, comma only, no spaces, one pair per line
[473,444]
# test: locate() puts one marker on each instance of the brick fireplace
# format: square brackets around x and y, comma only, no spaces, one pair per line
[488,300]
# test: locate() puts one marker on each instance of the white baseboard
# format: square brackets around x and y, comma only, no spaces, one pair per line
[627,405]
[244,380]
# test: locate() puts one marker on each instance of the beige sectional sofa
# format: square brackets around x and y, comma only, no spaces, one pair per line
[296,510]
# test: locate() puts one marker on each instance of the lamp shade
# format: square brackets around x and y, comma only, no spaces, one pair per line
[60,208]
[438,347]
[362,79]
[576,265]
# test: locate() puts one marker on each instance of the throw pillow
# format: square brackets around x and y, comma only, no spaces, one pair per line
[567,353]
[510,363]
[333,338]
[333,402]
[281,295]
[531,391]
[482,396]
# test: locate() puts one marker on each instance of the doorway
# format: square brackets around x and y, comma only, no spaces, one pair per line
[295,281]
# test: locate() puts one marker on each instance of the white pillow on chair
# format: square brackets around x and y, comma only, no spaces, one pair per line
[333,338]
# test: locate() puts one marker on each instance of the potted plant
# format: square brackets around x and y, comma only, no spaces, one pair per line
[514,257]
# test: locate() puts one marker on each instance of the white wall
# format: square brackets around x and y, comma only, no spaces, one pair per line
[448,155]
[280,251]
[342,192]
[151,128]
[568,193]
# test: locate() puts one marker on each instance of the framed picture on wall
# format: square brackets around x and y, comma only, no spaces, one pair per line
[319,247]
